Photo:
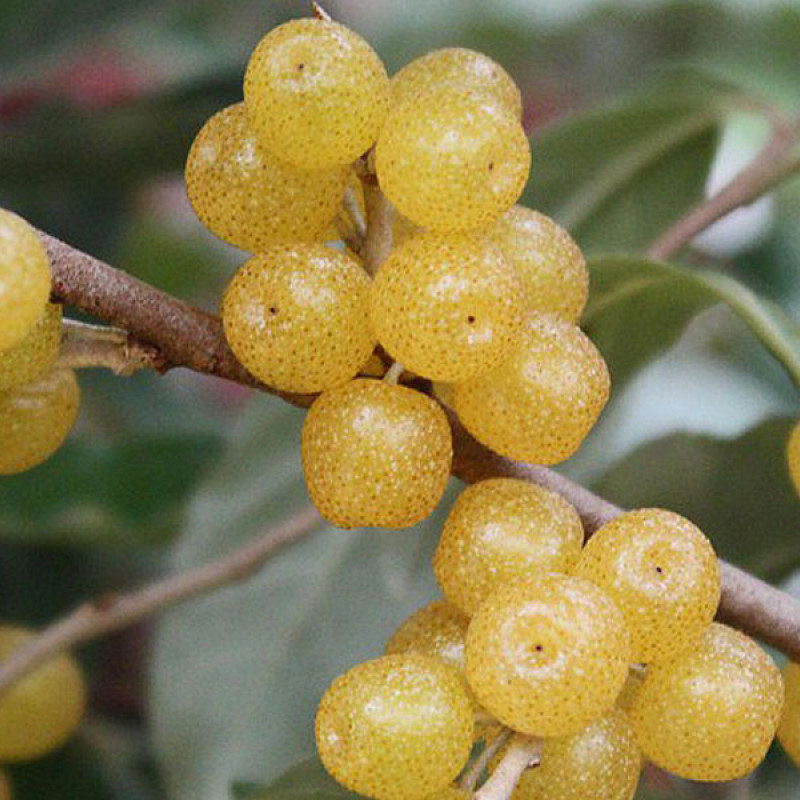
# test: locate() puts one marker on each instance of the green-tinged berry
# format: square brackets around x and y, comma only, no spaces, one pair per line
[35,354]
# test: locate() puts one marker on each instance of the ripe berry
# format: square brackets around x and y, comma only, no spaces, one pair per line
[789,728]
[24,279]
[396,728]
[35,419]
[501,529]
[711,713]
[375,454]
[316,93]
[793,456]
[542,401]
[41,711]
[35,354]
[457,70]
[249,198]
[661,572]
[547,260]
[447,308]
[451,163]
[296,317]
[547,656]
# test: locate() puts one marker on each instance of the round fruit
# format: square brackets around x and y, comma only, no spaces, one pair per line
[316,93]
[451,163]
[547,260]
[24,279]
[41,711]
[35,354]
[539,404]
[375,454]
[35,419]
[793,456]
[296,316]
[547,656]
[661,572]
[501,529]
[396,728]
[457,70]
[447,308]
[250,199]
[789,728]
[711,713]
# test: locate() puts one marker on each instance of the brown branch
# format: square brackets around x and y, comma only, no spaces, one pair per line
[106,614]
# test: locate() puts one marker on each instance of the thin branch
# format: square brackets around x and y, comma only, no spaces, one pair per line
[110,613]
[85,346]
[523,753]
[472,774]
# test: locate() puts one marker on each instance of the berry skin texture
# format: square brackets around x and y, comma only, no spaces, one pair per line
[793,456]
[316,93]
[542,401]
[547,260]
[44,709]
[457,70]
[451,163]
[501,529]
[396,728]
[789,728]
[24,279]
[447,308]
[548,656]
[711,713]
[375,454]
[35,354]
[661,572]
[296,317]
[250,199]
[35,419]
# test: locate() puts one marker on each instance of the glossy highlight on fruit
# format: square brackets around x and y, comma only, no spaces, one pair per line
[395,728]
[35,354]
[375,454]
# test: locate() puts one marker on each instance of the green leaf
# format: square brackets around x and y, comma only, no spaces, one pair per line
[305,781]
[237,675]
[638,308]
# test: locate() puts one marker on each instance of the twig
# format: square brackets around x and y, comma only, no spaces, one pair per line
[378,239]
[472,774]
[523,752]
[85,346]
[106,614]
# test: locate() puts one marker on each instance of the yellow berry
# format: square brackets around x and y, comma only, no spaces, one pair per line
[446,307]
[247,197]
[41,711]
[542,401]
[793,456]
[711,713]
[451,163]
[547,656]
[35,419]
[396,728]
[296,316]
[35,354]
[789,728]
[24,279]
[316,93]
[501,529]
[661,572]
[549,263]
[457,70]
[375,454]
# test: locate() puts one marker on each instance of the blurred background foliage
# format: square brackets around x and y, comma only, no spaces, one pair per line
[635,109]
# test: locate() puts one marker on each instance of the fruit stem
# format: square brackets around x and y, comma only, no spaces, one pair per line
[378,239]
[318,12]
[84,345]
[523,753]
[472,774]
[354,212]
[394,372]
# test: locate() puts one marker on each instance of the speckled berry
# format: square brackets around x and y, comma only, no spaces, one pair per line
[547,656]
[296,316]
[542,401]
[451,163]
[35,354]
[549,263]
[501,529]
[711,713]
[396,728]
[789,728]
[41,711]
[375,454]
[316,93]
[446,307]
[247,197]
[437,629]
[24,279]
[793,456]
[662,573]
[35,419]
[457,70]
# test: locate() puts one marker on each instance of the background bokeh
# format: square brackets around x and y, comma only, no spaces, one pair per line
[635,110]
